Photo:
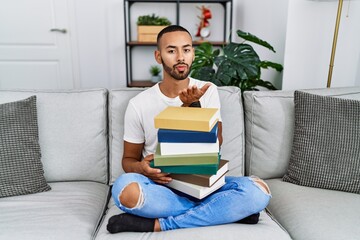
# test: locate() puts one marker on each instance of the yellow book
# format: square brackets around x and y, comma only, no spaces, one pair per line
[187,118]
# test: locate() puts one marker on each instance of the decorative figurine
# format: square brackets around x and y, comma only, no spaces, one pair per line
[204,26]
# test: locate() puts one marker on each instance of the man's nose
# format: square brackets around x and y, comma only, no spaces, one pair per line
[180,57]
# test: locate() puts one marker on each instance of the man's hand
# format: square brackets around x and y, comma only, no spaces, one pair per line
[192,94]
[153,173]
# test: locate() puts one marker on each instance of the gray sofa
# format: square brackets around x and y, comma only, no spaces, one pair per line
[80,135]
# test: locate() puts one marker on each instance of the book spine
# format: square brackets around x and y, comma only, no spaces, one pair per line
[189,178]
[183,136]
[196,190]
[208,169]
[167,149]
[179,124]
[185,159]
[206,180]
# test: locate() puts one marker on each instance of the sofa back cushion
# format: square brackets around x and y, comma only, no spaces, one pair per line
[72,132]
[233,128]
[269,126]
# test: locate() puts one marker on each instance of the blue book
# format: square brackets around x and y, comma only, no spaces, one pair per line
[183,136]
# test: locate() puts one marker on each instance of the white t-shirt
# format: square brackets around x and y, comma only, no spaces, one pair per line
[142,109]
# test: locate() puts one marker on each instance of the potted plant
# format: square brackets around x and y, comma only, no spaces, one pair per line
[149,26]
[236,65]
[155,73]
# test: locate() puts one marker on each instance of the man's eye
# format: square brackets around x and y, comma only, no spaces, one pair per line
[186,50]
[171,51]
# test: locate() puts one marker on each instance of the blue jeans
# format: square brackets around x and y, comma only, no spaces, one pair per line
[238,198]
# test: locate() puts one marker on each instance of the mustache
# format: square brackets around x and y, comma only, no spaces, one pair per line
[180,63]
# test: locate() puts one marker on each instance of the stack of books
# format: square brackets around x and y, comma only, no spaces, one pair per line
[188,148]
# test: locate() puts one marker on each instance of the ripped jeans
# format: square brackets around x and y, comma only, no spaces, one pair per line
[238,198]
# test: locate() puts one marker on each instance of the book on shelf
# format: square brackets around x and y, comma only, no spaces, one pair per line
[167,149]
[184,136]
[208,169]
[187,118]
[185,159]
[201,179]
[196,190]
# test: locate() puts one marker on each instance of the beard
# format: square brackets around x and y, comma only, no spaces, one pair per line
[174,73]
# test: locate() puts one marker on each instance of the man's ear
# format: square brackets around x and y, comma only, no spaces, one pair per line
[157,56]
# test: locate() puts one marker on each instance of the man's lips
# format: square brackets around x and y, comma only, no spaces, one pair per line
[181,68]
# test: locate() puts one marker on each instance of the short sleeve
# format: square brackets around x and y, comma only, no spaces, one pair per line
[211,98]
[133,129]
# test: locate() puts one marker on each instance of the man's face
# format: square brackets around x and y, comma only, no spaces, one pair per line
[176,54]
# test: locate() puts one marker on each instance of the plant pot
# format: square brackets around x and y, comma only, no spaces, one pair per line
[155,79]
[148,33]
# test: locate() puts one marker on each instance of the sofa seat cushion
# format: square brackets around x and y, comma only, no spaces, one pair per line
[313,213]
[71,210]
[267,228]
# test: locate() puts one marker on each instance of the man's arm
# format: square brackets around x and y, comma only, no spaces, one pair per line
[220,133]
[131,162]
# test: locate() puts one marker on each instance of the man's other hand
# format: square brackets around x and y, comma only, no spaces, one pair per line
[154,174]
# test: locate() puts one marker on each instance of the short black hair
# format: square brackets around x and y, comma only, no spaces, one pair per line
[171,28]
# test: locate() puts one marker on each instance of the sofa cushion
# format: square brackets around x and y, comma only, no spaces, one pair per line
[267,228]
[71,210]
[21,170]
[325,151]
[233,128]
[269,125]
[313,213]
[72,132]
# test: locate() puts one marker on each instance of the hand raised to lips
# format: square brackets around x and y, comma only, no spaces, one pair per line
[192,94]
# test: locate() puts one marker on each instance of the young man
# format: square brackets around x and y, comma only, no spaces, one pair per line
[148,205]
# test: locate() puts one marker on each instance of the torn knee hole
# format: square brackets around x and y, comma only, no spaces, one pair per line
[260,183]
[130,195]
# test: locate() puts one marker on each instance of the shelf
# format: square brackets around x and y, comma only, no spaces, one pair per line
[195,43]
[132,46]
[180,1]
[141,84]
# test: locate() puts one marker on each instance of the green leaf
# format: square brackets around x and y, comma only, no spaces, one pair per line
[204,56]
[241,60]
[266,64]
[147,20]
[266,84]
[205,73]
[236,65]
[252,38]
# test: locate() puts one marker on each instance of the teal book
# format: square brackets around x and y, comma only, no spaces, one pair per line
[185,159]
[207,169]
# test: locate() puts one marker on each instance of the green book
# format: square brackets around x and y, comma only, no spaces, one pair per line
[185,159]
[207,169]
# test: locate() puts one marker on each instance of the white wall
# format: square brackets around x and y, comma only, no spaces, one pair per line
[248,15]
[268,21]
[102,50]
[300,31]
[309,37]
[99,45]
